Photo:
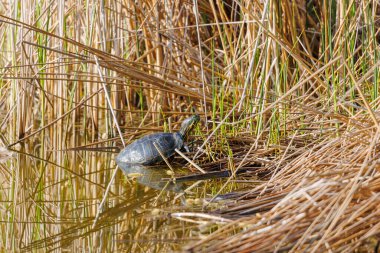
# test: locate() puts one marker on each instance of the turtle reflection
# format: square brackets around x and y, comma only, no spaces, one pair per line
[154,177]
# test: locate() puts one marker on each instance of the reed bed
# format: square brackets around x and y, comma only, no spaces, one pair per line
[288,93]
[324,198]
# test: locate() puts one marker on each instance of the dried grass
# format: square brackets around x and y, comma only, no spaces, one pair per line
[324,199]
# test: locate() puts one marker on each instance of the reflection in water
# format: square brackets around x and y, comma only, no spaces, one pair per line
[153,176]
[61,211]
[57,202]
[157,177]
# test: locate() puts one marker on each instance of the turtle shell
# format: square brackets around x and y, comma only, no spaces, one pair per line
[143,151]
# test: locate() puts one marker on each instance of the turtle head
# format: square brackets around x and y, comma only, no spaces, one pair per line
[188,125]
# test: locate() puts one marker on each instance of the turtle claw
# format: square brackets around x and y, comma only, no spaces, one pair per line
[186,148]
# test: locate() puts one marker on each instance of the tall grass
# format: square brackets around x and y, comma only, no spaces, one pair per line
[282,87]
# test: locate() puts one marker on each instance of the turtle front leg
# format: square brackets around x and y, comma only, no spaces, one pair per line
[186,148]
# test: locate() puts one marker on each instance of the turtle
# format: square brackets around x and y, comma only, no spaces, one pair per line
[143,152]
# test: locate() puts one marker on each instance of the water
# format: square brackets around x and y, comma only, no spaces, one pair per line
[49,200]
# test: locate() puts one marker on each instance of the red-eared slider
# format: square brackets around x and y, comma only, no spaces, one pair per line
[144,152]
